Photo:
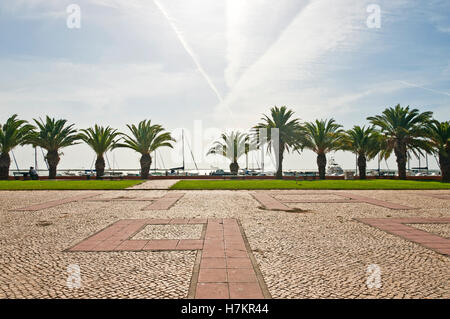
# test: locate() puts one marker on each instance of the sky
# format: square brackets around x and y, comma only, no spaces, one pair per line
[212,66]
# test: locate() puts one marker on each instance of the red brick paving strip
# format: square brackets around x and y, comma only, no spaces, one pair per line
[54,203]
[269,202]
[303,193]
[225,269]
[339,200]
[164,202]
[396,226]
[123,199]
[373,201]
[118,236]
[320,201]
[439,196]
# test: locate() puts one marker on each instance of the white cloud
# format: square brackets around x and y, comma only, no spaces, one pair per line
[290,59]
[252,27]
[99,87]
[189,50]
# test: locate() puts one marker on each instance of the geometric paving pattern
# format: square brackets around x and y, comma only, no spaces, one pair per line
[118,236]
[158,203]
[225,267]
[398,227]
[191,231]
[164,202]
[439,196]
[269,200]
[123,199]
[54,203]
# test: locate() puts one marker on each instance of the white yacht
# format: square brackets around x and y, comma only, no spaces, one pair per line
[333,168]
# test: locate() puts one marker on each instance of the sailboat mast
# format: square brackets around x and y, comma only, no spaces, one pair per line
[262,158]
[15,161]
[35,158]
[182,132]
[246,161]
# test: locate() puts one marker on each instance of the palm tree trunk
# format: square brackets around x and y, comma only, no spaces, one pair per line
[53,160]
[234,168]
[5,162]
[100,166]
[321,163]
[444,163]
[280,161]
[146,161]
[362,166]
[400,153]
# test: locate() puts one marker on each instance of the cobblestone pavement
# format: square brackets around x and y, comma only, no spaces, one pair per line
[155,184]
[442,230]
[318,252]
[170,232]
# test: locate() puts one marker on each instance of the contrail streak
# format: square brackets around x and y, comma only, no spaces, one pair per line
[424,88]
[188,50]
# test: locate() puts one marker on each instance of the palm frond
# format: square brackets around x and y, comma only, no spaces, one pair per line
[13,133]
[402,126]
[53,134]
[100,139]
[289,129]
[323,136]
[146,138]
[231,146]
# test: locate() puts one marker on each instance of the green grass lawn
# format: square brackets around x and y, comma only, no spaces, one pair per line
[318,184]
[59,184]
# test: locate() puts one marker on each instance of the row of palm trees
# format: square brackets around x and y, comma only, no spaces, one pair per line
[401,130]
[54,135]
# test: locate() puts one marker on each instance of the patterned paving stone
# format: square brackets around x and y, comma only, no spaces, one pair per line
[438,196]
[55,203]
[245,290]
[399,228]
[205,290]
[170,231]
[155,184]
[270,201]
[213,262]
[324,254]
[163,244]
[224,261]
[373,201]
[164,202]
[343,200]
[442,230]
[123,199]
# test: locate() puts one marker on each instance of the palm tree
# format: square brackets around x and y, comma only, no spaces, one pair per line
[231,146]
[145,139]
[14,132]
[288,129]
[402,132]
[365,143]
[53,135]
[101,140]
[322,136]
[438,134]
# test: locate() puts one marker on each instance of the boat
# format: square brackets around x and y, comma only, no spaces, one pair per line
[220,172]
[333,168]
[68,173]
